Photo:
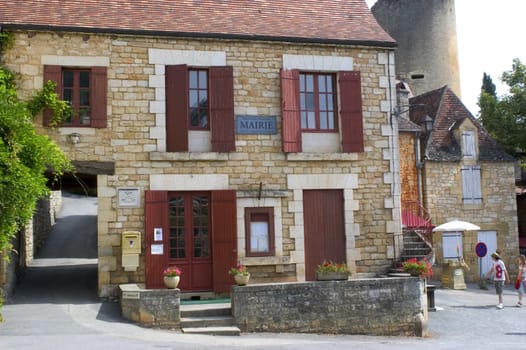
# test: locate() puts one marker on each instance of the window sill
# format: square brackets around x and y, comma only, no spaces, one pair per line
[304,156]
[265,260]
[185,156]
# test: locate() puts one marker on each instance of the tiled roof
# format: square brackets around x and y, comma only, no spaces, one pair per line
[447,112]
[345,21]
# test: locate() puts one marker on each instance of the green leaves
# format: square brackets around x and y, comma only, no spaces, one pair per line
[25,156]
[504,117]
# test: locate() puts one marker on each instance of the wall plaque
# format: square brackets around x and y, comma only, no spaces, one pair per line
[256,125]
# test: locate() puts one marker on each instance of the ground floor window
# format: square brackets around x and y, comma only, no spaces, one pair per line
[259,231]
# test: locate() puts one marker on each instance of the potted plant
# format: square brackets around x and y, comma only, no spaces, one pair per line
[329,270]
[171,276]
[417,268]
[241,274]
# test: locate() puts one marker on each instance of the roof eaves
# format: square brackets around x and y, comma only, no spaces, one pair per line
[374,43]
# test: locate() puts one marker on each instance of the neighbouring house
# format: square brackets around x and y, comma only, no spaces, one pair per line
[220,132]
[454,170]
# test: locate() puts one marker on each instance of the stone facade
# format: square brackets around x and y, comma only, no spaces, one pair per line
[497,213]
[134,140]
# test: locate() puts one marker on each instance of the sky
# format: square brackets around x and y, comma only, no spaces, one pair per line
[490,35]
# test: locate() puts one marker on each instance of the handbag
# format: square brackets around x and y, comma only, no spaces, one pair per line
[517,284]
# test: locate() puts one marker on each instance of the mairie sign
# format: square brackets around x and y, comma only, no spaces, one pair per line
[254,124]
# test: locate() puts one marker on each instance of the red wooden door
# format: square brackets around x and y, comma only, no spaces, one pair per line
[323,212]
[189,239]
[156,218]
[224,244]
[196,232]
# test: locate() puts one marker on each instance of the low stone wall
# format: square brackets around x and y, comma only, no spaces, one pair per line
[150,307]
[385,306]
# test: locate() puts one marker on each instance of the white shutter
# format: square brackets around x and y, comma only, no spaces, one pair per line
[471,187]
[452,245]
[468,144]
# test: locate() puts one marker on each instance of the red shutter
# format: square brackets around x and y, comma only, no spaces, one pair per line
[177,123]
[155,216]
[53,73]
[290,111]
[99,97]
[224,238]
[351,111]
[222,109]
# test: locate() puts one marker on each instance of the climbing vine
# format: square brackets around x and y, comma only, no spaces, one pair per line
[25,155]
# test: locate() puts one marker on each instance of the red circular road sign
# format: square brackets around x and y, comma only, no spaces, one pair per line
[481,249]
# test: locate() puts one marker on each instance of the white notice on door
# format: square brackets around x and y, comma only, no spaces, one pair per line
[156,249]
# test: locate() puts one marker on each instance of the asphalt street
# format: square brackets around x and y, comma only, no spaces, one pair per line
[56,307]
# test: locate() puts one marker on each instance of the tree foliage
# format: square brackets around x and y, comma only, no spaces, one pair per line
[504,117]
[488,86]
[25,155]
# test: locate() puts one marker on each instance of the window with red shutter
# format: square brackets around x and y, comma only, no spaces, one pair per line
[85,89]
[199,99]
[292,107]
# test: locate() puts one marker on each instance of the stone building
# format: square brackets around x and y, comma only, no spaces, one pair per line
[256,132]
[462,174]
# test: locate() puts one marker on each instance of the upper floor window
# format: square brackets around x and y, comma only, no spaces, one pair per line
[86,91]
[76,91]
[308,103]
[468,144]
[199,100]
[471,186]
[317,102]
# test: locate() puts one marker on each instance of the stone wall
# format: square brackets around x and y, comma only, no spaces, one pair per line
[28,240]
[150,307]
[387,306]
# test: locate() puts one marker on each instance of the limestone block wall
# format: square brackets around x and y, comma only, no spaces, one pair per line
[388,306]
[134,142]
[498,211]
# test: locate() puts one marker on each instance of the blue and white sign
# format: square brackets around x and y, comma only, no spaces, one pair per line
[256,125]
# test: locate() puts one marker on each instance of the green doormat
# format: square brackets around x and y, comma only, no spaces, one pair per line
[205,301]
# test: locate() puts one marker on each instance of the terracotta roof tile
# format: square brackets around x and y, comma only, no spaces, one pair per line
[447,112]
[348,21]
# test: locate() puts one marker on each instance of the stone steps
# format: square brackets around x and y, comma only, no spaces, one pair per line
[212,319]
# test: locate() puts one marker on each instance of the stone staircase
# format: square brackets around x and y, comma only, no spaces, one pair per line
[415,247]
[208,318]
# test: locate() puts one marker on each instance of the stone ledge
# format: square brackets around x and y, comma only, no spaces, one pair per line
[150,307]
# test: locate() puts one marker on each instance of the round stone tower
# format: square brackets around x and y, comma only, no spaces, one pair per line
[426,32]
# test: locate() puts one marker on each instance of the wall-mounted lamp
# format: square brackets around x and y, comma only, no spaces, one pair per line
[428,124]
[74,138]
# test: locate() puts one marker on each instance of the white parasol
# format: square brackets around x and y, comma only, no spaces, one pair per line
[456,225]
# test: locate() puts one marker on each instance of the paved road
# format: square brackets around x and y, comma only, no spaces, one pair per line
[56,308]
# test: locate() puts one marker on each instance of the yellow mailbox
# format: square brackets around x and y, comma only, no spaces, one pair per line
[131,248]
[131,242]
